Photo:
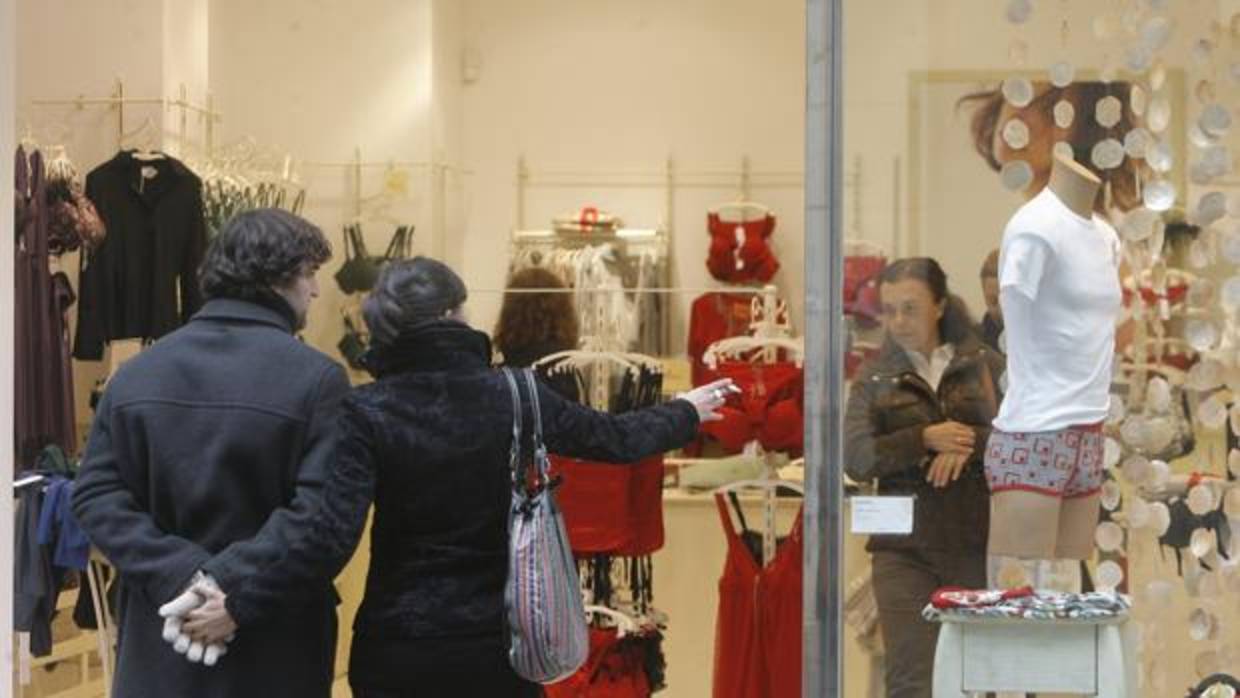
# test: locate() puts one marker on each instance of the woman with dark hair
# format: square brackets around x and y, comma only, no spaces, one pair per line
[428,443]
[1059,115]
[918,416]
[532,325]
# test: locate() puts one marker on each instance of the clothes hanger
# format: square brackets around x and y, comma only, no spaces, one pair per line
[863,248]
[624,624]
[764,484]
[735,347]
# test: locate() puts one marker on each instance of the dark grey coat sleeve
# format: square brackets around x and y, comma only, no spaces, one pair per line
[291,523]
[576,431]
[331,534]
[117,522]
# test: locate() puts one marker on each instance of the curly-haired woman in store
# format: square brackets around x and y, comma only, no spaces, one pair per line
[917,419]
[532,325]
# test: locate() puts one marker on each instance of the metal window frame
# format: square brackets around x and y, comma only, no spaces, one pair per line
[822,646]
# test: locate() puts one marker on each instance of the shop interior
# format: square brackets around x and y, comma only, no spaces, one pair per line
[652,155]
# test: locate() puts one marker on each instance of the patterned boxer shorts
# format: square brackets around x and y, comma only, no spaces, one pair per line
[1065,463]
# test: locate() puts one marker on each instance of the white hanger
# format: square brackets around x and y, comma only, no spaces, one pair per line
[742,207]
[561,361]
[624,624]
[863,248]
[736,346]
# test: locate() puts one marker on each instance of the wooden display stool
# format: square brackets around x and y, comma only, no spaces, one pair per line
[1084,657]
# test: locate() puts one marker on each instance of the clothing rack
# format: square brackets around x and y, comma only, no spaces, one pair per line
[118,100]
[743,180]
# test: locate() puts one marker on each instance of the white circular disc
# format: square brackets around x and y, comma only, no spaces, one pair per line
[1160,472]
[1138,513]
[1109,536]
[1136,469]
[1229,245]
[1215,120]
[1158,114]
[1200,500]
[1110,575]
[1158,395]
[1016,134]
[1136,142]
[1110,495]
[1019,11]
[1201,542]
[1064,150]
[1062,74]
[1108,154]
[1108,111]
[1018,92]
[1210,208]
[1155,33]
[1064,113]
[1137,100]
[1111,453]
[1159,156]
[1016,175]
[1159,195]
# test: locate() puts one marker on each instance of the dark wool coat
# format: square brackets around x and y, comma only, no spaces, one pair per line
[207,452]
[429,443]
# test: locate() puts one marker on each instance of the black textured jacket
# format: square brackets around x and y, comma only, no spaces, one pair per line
[142,281]
[889,407]
[208,451]
[428,443]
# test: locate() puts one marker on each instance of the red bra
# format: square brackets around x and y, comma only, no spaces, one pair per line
[861,274]
[739,251]
[715,316]
[769,408]
[610,508]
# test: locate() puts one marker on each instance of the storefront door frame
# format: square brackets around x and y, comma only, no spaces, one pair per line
[8,137]
[822,647]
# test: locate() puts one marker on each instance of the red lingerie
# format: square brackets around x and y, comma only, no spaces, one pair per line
[758,628]
[715,316]
[740,251]
[861,274]
[615,669]
[769,408]
[609,508]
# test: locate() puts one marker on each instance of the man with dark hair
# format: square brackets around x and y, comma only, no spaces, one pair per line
[991,327]
[207,453]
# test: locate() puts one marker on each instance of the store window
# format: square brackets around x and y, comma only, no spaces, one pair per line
[1024,211]
[1037,202]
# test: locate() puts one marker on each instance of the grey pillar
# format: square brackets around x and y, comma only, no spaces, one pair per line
[823,651]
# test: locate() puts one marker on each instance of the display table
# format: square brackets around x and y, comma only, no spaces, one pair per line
[977,654]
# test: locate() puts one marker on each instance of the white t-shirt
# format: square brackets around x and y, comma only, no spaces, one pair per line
[1060,293]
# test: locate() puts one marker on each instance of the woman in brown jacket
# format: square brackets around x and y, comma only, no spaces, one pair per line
[917,421]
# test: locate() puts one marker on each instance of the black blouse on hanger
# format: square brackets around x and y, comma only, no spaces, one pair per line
[142,282]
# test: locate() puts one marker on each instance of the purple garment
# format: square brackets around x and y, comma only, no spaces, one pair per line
[43,399]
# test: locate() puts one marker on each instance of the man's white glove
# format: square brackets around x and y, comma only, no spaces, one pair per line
[175,613]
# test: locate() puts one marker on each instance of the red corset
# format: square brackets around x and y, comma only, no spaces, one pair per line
[740,251]
[610,508]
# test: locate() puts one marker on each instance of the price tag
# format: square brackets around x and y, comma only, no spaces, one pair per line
[882,515]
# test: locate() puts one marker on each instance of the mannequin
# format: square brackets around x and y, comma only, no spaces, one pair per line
[1044,460]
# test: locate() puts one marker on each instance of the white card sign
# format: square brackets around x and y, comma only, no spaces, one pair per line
[882,515]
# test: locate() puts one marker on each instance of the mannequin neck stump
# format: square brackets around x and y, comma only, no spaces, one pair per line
[1075,186]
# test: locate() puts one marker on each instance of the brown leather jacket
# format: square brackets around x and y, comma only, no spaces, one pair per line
[889,406]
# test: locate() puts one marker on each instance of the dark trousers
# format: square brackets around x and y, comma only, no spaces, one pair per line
[903,583]
[435,668]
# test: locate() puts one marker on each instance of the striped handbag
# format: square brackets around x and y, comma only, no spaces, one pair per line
[546,616]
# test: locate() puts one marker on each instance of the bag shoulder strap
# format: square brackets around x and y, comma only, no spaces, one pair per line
[399,247]
[540,449]
[514,454]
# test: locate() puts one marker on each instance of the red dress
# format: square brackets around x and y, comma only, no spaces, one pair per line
[758,628]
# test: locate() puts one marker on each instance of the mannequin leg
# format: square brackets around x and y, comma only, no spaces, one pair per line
[1078,519]
[1024,524]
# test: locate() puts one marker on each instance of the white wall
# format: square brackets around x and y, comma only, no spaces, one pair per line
[317,80]
[621,85]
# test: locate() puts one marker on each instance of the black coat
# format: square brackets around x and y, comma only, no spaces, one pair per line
[889,407]
[207,452]
[142,282]
[428,443]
